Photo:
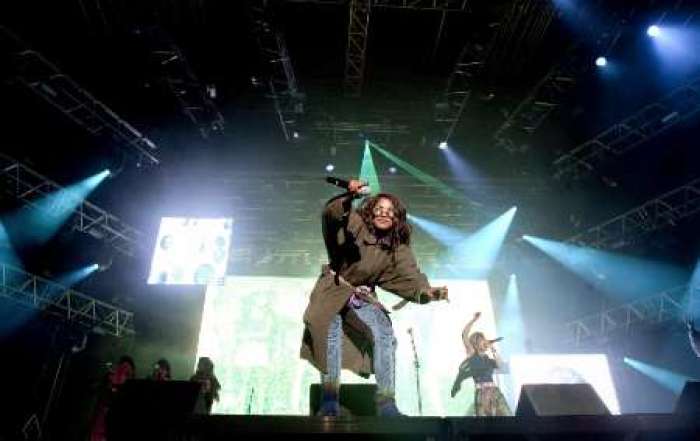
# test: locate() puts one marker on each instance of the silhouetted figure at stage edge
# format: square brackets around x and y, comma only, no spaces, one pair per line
[161,371]
[113,381]
[346,326]
[210,385]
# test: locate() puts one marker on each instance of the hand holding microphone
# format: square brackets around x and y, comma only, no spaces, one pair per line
[354,186]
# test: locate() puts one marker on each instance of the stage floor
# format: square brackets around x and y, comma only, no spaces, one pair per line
[664,427]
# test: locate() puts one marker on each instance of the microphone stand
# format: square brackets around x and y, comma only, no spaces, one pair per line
[416,365]
[250,400]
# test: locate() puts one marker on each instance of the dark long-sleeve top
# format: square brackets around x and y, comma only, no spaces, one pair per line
[478,366]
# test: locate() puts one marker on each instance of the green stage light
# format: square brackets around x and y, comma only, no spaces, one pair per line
[368,172]
[418,173]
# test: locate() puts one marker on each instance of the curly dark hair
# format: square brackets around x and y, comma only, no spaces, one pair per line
[400,233]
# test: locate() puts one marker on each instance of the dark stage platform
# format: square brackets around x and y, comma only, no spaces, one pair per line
[661,427]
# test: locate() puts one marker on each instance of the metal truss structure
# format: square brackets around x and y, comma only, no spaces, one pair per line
[653,119]
[554,87]
[358,27]
[60,301]
[657,213]
[542,100]
[45,80]
[519,35]
[434,5]
[342,133]
[520,32]
[282,86]
[194,98]
[459,88]
[26,185]
[595,329]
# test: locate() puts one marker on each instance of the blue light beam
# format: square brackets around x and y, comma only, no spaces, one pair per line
[478,252]
[42,218]
[510,320]
[447,236]
[72,278]
[622,277]
[668,379]
[7,253]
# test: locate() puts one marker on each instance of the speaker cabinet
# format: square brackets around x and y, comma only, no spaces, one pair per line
[559,399]
[689,400]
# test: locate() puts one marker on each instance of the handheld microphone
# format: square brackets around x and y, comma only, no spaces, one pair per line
[342,183]
[496,340]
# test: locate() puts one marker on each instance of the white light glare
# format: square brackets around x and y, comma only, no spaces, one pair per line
[653,31]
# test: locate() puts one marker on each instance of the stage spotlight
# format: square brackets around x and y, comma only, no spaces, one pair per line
[38,222]
[653,31]
[330,168]
[443,145]
[417,173]
[73,277]
[601,61]
[392,170]
[295,134]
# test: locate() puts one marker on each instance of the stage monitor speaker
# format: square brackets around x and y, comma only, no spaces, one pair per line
[559,399]
[689,400]
[357,399]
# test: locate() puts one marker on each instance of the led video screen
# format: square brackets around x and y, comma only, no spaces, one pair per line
[565,368]
[252,328]
[191,251]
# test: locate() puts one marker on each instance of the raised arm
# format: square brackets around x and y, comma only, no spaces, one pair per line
[335,217]
[466,331]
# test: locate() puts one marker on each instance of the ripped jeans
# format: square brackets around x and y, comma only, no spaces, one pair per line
[384,347]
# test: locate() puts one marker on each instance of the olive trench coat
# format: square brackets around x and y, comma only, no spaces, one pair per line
[358,259]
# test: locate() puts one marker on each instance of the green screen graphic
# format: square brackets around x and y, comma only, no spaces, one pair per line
[252,329]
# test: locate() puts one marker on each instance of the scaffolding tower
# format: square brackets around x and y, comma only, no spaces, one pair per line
[63,302]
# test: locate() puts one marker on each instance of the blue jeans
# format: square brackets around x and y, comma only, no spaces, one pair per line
[384,348]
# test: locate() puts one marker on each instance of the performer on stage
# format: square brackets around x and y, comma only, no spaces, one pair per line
[346,326]
[209,391]
[161,370]
[482,360]
[112,382]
